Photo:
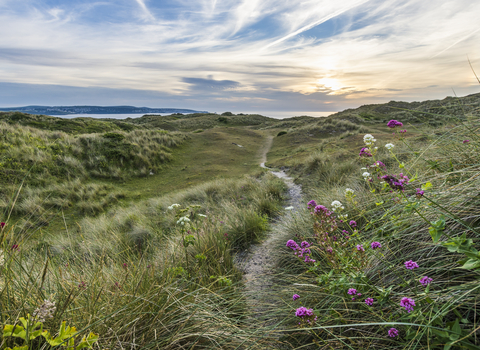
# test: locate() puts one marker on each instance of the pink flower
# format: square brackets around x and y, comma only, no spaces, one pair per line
[360,248]
[392,332]
[425,280]
[369,301]
[352,291]
[408,304]
[410,265]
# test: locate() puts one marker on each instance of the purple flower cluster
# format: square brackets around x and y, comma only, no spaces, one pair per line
[410,265]
[408,304]
[360,248]
[392,332]
[319,209]
[425,280]
[303,312]
[369,301]
[353,223]
[396,183]
[376,245]
[380,164]
[311,204]
[295,297]
[352,291]
[419,193]
[365,152]
[301,251]
[402,131]
[394,123]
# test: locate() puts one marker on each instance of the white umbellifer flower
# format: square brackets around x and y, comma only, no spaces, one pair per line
[203,216]
[45,310]
[183,220]
[289,208]
[337,205]
[366,175]
[369,140]
[173,206]
[349,191]
[389,146]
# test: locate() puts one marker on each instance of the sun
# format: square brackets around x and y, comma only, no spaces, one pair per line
[330,83]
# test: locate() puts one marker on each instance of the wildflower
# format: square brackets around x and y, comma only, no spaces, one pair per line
[408,304]
[2,224]
[369,140]
[289,208]
[394,123]
[392,332]
[369,301]
[410,265]
[320,208]
[349,191]
[376,245]
[173,206]
[366,175]
[45,310]
[303,312]
[353,223]
[15,247]
[305,244]
[353,299]
[183,220]
[352,291]
[389,146]
[82,285]
[329,250]
[125,266]
[360,248]
[396,183]
[379,164]
[309,260]
[419,193]
[403,131]
[311,204]
[295,297]
[337,205]
[365,152]
[425,280]
[466,141]
[292,244]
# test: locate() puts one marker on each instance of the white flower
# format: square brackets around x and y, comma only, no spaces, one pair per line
[343,217]
[203,216]
[389,146]
[183,220]
[349,191]
[363,168]
[289,208]
[366,175]
[369,140]
[173,206]
[337,205]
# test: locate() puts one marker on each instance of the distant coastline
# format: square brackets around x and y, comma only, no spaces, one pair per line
[79,110]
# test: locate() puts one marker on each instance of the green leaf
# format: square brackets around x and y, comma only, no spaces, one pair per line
[427,186]
[471,264]
[456,331]
[87,342]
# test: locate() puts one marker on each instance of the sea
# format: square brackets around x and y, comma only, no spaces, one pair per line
[271,114]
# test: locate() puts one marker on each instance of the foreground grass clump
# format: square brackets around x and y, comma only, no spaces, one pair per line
[157,274]
[387,257]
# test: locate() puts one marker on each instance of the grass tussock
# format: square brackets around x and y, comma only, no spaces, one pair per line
[409,227]
[138,278]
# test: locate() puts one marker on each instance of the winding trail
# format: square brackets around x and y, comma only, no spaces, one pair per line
[257,262]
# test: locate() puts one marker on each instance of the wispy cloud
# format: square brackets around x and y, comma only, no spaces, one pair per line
[309,53]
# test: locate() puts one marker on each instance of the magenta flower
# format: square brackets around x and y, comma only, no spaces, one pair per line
[303,311]
[376,245]
[419,193]
[352,291]
[360,248]
[309,260]
[394,123]
[320,208]
[410,265]
[392,332]
[365,152]
[408,304]
[353,223]
[380,164]
[403,131]
[292,245]
[466,141]
[329,250]
[305,244]
[295,297]
[425,280]
[311,204]
[369,301]
[2,224]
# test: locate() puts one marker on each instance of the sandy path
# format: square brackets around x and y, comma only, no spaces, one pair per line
[257,262]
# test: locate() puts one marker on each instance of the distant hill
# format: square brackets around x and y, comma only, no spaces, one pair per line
[66,110]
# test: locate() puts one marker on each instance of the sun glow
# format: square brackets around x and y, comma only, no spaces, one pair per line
[329,84]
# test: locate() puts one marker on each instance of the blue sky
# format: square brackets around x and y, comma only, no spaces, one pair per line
[241,56]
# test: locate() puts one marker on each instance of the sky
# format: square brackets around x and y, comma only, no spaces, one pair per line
[237,55]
